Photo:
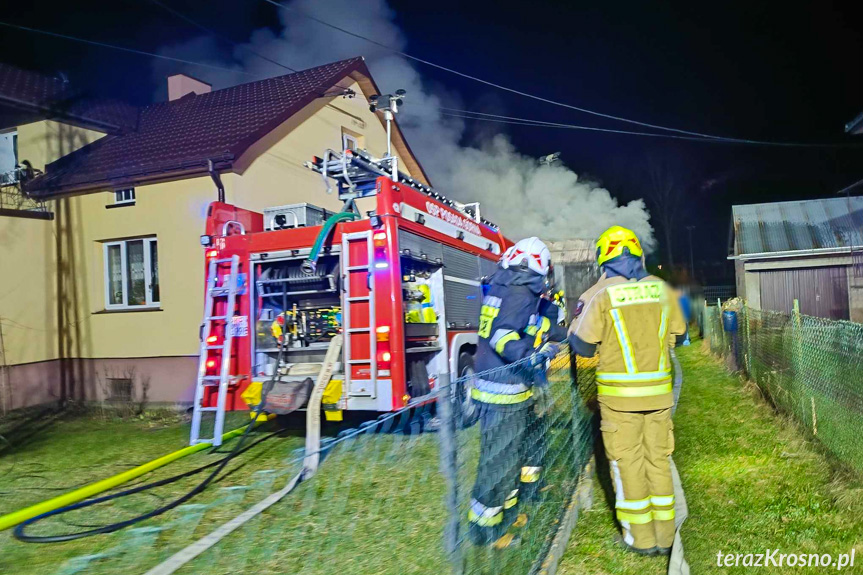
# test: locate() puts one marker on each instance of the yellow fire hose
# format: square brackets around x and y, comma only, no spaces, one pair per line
[16,517]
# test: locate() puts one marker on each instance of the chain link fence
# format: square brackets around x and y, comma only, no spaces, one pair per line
[391,496]
[810,368]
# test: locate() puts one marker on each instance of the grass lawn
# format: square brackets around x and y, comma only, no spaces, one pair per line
[68,452]
[377,504]
[751,482]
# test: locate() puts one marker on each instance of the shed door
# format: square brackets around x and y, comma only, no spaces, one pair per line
[822,292]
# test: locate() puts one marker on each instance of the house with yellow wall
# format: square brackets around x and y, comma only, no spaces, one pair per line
[106,299]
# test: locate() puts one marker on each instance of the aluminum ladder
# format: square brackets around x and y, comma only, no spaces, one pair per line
[358,312]
[225,292]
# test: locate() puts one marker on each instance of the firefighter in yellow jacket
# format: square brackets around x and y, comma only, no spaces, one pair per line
[632,318]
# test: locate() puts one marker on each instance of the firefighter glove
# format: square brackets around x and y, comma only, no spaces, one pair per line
[543,354]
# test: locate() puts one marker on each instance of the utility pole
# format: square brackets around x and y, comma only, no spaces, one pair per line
[691,260]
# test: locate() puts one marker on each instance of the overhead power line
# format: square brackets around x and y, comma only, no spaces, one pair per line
[494,118]
[497,118]
[221,37]
[690,133]
[123,49]
[451,112]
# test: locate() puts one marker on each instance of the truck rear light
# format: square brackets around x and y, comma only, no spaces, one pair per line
[213,339]
[212,253]
[384,358]
[380,239]
[211,363]
[383,333]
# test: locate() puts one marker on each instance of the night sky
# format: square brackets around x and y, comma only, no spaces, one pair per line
[758,70]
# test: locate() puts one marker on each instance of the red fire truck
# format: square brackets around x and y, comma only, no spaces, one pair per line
[401,282]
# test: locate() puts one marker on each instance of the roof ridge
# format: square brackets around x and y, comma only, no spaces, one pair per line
[208,95]
[178,137]
[786,202]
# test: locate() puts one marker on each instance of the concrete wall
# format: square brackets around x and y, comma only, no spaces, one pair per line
[28,305]
[29,341]
[58,267]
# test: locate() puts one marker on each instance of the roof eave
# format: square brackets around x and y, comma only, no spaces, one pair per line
[48,112]
[796,253]
[106,183]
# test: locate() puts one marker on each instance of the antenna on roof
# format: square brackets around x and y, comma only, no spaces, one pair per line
[389,105]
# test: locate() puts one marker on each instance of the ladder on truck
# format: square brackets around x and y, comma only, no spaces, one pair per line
[358,315]
[225,292]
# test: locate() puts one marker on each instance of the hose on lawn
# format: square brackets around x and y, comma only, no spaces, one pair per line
[20,530]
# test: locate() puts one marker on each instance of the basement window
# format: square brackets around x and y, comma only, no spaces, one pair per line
[124,196]
[131,274]
[119,389]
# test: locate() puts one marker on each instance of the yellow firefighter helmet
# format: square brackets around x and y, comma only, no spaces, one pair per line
[612,241]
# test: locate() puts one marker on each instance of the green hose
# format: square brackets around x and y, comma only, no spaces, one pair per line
[311,263]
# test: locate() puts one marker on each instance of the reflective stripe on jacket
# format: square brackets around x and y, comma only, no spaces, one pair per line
[499,393]
[633,323]
[510,300]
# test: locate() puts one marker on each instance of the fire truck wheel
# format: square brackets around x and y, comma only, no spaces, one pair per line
[464,405]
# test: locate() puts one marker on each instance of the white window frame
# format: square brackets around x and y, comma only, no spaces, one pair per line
[148,274]
[349,138]
[124,196]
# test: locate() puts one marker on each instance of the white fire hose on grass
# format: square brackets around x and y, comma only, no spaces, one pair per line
[677,564]
[310,466]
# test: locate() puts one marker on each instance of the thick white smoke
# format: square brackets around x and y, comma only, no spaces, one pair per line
[517,193]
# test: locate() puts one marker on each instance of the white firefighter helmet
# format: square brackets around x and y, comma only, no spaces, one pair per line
[530,253]
[504,259]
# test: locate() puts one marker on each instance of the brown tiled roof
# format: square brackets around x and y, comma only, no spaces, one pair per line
[27,96]
[178,138]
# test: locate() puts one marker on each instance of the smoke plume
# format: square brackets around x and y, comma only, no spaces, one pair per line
[517,193]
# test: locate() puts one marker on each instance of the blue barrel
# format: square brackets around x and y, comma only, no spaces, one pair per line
[729,321]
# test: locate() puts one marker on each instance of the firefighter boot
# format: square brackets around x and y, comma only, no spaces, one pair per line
[623,436]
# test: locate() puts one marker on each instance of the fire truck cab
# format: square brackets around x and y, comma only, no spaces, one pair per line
[401,282]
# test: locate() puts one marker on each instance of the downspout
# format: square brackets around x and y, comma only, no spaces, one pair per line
[217,179]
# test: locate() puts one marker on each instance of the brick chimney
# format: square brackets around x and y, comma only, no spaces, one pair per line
[179,85]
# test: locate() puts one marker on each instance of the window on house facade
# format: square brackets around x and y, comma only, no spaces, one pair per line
[131,274]
[124,196]
[8,157]
[349,141]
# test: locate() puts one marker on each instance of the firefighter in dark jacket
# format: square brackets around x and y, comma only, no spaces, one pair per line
[504,394]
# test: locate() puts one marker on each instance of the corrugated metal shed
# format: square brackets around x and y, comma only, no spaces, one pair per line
[833,223]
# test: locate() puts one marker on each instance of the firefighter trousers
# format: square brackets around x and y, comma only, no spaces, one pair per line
[638,445]
[509,470]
